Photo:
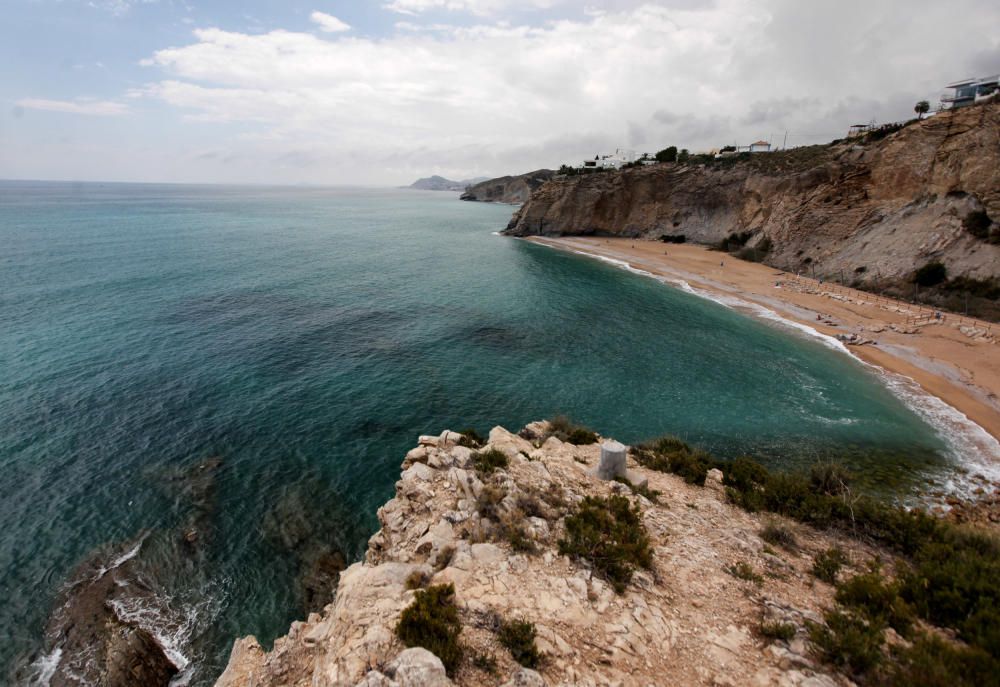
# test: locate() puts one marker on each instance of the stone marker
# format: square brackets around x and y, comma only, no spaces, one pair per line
[612,465]
[612,461]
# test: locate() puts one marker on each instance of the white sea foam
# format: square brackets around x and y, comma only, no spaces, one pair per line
[170,633]
[117,562]
[44,667]
[971,447]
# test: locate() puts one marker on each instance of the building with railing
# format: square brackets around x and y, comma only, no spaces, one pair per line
[970,91]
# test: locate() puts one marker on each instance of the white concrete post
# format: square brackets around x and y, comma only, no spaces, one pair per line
[612,461]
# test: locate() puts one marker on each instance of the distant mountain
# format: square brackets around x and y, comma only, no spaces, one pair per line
[436,183]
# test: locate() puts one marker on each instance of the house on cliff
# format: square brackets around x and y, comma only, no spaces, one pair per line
[617,160]
[970,91]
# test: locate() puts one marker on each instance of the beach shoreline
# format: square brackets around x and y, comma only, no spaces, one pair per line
[953,359]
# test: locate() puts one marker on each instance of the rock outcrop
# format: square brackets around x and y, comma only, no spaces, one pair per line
[870,212]
[510,189]
[494,534]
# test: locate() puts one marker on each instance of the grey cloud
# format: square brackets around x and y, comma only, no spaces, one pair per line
[776,111]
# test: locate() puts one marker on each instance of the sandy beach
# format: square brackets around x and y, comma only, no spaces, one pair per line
[955,359]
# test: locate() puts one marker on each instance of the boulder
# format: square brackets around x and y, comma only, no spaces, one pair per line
[525,677]
[418,667]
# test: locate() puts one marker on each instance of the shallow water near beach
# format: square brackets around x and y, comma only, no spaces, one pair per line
[305,337]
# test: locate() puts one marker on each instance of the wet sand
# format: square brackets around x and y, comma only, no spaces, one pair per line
[956,359]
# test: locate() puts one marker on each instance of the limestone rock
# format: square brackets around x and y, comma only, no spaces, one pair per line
[685,621]
[525,677]
[418,668]
[895,203]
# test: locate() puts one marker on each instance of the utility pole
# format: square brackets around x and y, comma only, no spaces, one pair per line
[784,146]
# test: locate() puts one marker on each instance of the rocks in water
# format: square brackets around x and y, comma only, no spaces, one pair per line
[97,644]
[321,573]
[196,486]
[297,525]
[134,657]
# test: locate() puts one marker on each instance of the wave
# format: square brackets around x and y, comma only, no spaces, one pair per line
[120,560]
[974,450]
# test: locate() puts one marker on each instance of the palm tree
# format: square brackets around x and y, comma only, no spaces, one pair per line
[922,108]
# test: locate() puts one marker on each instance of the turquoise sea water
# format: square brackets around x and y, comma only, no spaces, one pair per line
[306,337]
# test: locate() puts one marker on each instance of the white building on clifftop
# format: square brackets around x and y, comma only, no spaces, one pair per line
[617,160]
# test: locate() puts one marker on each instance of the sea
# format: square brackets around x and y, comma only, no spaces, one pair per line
[251,364]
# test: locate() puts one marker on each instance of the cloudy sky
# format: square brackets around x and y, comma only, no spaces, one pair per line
[383,91]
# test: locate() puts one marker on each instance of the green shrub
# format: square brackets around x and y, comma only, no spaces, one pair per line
[779,534]
[744,571]
[668,154]
[978,224]
[563,429]
[831,479]
[955,582]
[870,595]
[744,480]
[488,502]
[514,533]
[431,622]
[471,439]
[416,579]
[931,274]
[609,534]
[486,663]
[982,288]
[488,461]
[933,662]
[518,636]
[848,641]
[827,564]
[777,630]
[670,454]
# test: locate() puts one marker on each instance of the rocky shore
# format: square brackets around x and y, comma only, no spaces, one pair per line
[697,613]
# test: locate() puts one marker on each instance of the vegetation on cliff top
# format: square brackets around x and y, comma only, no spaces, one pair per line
[431,622]
[947,577]
[608,533]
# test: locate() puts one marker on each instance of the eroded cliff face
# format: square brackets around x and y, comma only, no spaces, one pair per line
[874,211]
[509,189]
[684,620]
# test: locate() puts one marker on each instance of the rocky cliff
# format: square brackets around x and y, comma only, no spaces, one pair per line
[439,183]
[510,189]
[870,211]
[691,614]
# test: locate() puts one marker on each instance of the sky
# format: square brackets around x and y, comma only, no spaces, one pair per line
[381,92]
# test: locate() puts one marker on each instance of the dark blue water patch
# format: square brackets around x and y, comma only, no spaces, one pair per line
[305,337]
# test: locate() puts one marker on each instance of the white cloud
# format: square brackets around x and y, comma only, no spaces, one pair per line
[329,23]
[102,108]
[480,7]
[498,98]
